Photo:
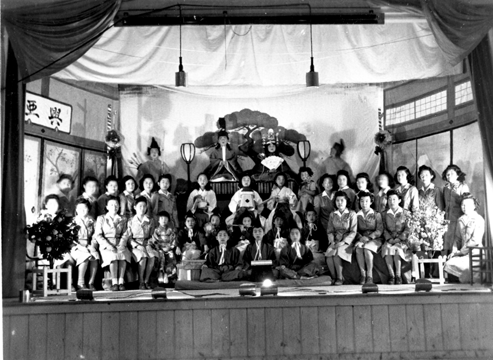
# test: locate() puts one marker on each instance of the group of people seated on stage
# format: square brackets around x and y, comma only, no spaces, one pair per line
[302,234]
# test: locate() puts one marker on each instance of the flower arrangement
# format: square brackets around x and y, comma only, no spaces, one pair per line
[382,139]
[54,236]
[427,227]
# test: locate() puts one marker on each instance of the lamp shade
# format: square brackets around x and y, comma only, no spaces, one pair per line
[181,78]
[187,151]
[312,79]
[304,149]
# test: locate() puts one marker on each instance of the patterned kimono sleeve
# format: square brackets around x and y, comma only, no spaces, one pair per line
[476,238]
[352,230]
[379,229]
[211,199]
[99,235]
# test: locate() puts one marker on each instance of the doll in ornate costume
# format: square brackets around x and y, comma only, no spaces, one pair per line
[154,166]
[272,159]
[223,163]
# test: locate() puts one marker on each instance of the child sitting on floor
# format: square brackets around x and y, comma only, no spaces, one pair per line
[190,240]
[314,235]
[296,260]
[211,228]
[242,234]
[223,261]
[164,241]
[258,250]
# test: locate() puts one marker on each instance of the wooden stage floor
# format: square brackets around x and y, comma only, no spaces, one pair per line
[453,321]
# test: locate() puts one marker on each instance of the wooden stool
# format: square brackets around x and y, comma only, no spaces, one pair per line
[56,276]
[440,261]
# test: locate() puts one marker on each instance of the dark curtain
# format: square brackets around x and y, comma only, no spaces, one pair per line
[458,25]
[13,216]
[62,30]
[481,63]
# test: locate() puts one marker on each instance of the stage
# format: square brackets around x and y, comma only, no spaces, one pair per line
[302,322]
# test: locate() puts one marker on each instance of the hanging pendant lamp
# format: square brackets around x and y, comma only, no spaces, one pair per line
[180,76]
[312,75]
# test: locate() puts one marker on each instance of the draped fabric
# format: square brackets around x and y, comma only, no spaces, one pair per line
[60,31]
[13,216]
[458,25]
[481,61]
[263,56]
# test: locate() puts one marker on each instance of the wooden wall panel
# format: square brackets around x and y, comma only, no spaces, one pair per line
[327,329]
[147,334]
[110,336]
[37,337]
[55,333]
[274,332]
[91,342]
[19,329]
[165,334]
[376,327]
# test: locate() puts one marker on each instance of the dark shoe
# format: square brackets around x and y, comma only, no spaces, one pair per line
[73,288]
[121,287]
[338,282]
[369,280]
[92,287]
[148,286]
[114,287]
[413,280]
[392,281]
[398,280]
[142,286]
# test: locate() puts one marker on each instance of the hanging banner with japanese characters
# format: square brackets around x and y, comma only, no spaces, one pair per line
[49,113]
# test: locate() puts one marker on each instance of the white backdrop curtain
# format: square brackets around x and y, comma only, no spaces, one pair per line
[266,55]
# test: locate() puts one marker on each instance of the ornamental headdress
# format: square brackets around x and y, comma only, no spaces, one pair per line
[154,145]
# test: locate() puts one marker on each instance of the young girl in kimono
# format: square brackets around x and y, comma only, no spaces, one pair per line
[469,233]
[406,189]
[343,182]
[223,261]
[242,235]
[396,231]
[363,184]
[84,252]
[110,228]
[283,201]
[202,200]
[147,185]
[308,188]
[127,196]
[91,192]
[324,202]
[342,229]
[164,241]
[245,199]
[369,236]
[163,200]
[296,259]
[385,182]
[258,250]
[140,229]
[454,188]
[190,239]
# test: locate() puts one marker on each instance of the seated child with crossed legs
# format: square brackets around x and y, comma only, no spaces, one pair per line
[164,241]
[223,261]
[296,260]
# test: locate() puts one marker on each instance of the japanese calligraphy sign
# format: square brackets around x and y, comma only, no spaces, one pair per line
[46,112]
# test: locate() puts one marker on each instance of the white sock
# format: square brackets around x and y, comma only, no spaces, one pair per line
[114,281]
[120,281]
